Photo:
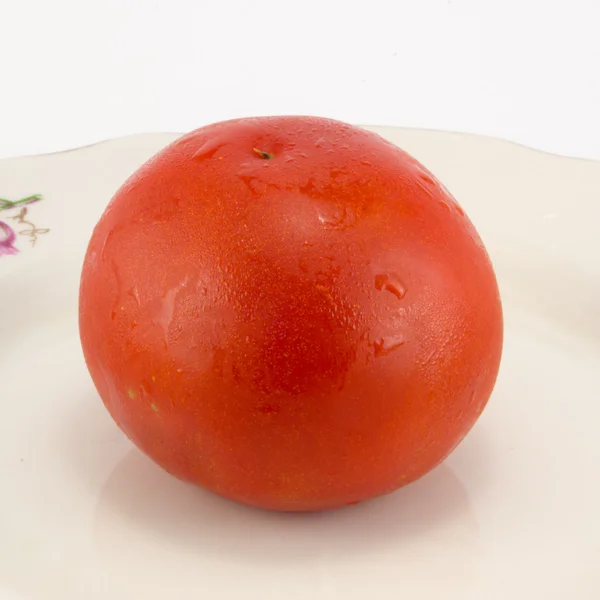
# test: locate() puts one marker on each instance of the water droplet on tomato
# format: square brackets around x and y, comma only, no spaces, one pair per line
[105,242]
[391,283]
[133,292]
[336,217]
[388,344]
[449,202]
[167,307]
[208,149]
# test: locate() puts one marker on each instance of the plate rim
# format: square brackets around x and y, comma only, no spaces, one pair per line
[372,127]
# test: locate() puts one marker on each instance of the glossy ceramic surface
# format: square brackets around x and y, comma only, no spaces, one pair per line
[513,513]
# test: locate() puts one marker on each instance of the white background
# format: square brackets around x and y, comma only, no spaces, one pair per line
[74,71]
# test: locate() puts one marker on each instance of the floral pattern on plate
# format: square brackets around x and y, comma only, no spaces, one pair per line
[18,211]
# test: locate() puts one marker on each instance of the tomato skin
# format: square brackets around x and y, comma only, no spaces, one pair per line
[290,312]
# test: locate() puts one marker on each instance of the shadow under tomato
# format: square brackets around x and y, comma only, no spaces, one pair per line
[424,534]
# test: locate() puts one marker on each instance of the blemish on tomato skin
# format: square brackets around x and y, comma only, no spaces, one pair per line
[154,407]
[131,393]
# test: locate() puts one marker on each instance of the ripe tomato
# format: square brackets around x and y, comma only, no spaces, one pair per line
[290,312]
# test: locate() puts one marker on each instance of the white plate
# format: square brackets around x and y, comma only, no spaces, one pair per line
[512,514]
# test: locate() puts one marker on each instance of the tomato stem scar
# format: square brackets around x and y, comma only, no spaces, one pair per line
[263,154]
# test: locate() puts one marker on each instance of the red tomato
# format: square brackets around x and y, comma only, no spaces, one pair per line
[290,312]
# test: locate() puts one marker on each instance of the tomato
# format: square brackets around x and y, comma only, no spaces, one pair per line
[291,312]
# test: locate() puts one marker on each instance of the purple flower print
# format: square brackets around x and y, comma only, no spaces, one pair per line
[7,239]
[8,235]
